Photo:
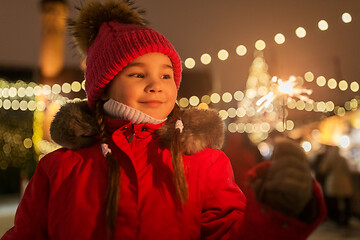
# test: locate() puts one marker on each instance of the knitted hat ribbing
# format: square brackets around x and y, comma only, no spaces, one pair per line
[117,43]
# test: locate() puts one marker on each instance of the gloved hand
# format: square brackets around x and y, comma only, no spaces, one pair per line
[287,186]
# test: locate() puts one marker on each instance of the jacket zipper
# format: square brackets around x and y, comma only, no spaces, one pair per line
[132,134]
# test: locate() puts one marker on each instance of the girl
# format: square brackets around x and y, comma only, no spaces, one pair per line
[134,166]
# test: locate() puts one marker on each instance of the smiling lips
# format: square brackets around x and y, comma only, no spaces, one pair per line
[152,103]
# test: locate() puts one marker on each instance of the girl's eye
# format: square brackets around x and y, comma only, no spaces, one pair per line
[166,76]
[137,75]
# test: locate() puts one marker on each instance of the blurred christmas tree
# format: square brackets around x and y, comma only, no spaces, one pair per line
[258,122]
[17,158]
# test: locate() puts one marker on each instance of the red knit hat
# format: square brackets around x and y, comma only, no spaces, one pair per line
[118,41]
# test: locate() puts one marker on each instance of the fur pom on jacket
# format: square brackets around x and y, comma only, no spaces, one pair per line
[75,127]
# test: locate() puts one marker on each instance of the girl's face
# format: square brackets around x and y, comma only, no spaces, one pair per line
[146,84]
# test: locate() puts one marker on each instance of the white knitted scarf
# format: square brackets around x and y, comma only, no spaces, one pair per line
[116,109]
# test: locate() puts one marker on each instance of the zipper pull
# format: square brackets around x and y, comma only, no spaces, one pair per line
[132,134]
[131,137]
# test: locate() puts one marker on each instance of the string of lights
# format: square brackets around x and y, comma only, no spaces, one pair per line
[15,97]
[260,45]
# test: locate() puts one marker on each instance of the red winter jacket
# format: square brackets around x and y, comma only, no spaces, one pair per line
[65,199]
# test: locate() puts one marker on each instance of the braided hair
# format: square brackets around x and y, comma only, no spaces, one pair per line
[113,188]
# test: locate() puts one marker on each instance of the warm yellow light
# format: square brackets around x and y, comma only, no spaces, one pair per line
[238,95]
[40,105]
[354,104]
[223,114]
[231,112]
[330,106]
[241,127]
[250,93]
[194,100]
[205,59]
[340,111]
[232,127]
[7,104]
[308,107]
[5,93]
[21,92]
[12,92]
[321,106]
[354,86]
[309,76]
[206,99]
[184,102]
[346,17]
[56,88]
[32,105]
[189,63]
[83,85]
[46,90]
[75,86]
[265,127]
[27,143]
[203,106]
[300,32]
[332,83]
[291,103]
[300,105]
[223,54]
[23,105]
[241,50]
[260,45]
[279,126]
[66,88]
[321,81]
[347,106]
[15,105]
[290,125]
[240,112]
[227,97]
[323,25]
[279,38]
[215,98]
[249,128]
[343,85]
[38,90]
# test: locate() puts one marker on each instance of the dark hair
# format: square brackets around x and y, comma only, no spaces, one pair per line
[176,158]
[113,188]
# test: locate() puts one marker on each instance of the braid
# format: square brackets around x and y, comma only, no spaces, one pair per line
[113,189]
[177,161]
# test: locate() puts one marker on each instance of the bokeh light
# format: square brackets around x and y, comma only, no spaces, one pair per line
[241,50]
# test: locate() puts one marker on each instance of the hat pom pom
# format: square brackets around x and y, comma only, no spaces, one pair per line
[93,14]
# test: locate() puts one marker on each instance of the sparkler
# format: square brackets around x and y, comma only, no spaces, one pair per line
[284,89]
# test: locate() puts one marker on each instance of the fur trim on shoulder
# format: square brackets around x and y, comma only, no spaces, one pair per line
[202,129]
[94,13]
[75,126]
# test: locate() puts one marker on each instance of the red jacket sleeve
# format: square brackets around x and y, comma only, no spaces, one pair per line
[31,215]
[224,203]
[263,222]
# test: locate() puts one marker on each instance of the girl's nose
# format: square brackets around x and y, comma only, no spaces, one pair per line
[154,85]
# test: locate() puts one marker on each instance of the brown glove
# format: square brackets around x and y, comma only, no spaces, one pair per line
[288,184]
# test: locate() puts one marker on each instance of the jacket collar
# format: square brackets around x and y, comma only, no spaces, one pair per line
[113,124]
[75,126]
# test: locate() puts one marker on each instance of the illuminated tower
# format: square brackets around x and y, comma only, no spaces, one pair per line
[53,19]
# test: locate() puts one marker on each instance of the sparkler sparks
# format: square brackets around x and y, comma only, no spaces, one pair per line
[284,89]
